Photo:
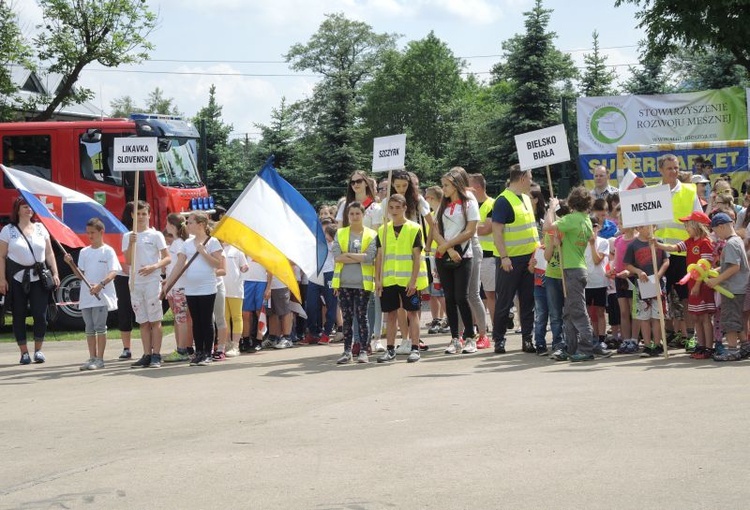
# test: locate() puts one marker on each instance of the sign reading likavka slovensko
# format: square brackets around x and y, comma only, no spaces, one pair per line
[135,154]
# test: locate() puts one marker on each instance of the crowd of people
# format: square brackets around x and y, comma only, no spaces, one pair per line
[566,274]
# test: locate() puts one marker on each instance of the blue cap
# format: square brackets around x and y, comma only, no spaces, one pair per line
[720,219]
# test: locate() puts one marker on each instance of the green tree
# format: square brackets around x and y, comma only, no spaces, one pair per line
[122,107]
[346,53]
[707,69]
[534,69]
[416,92]
[14,51]
[597,78]
[217,135]
[157,103]
[695,25]
[76,33]
[278,139]
[649,78]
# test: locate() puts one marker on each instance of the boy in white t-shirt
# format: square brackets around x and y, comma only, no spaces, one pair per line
[99,265]
[151,256]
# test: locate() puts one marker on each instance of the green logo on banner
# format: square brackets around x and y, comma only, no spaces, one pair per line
[101,197]
[608,124]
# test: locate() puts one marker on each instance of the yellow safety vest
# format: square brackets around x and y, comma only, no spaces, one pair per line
[521,236]
[486,242]
[368,268]
[682,206]
[434,245]
[397,261]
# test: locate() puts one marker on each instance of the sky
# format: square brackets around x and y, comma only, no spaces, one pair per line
[239,45]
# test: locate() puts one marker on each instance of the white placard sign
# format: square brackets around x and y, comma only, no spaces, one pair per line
[135,154]
[542,147]
[646,206]
[388,153]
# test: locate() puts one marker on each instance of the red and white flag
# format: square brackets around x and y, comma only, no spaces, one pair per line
[262,321]
[631,181]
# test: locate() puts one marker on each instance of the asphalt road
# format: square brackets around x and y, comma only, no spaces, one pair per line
[290,429]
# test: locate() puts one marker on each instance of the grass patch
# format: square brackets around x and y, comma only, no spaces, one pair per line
[61,335]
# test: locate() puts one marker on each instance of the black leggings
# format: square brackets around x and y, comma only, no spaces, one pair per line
[125,314]
[455,282]
[202,312]
[37,298]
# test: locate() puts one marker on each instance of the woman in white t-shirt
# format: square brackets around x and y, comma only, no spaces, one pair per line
[457,220]
[19,278]
[199,279]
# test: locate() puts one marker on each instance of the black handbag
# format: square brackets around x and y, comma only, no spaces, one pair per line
[448,262]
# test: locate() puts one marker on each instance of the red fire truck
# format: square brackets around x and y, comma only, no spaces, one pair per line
[79,155]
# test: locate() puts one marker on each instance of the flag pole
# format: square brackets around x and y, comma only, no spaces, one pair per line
[559,248]
[131,281]
[659,299]
[73,267]
[386,218]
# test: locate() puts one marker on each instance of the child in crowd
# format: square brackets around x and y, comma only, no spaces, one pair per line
[597,258]
[400,275]
[176,297]
[151,256]
[236,266]
[257,291]
[639,262]
[629,328]
[439,323]
[99,265]
[319,331]
[553,286]
[354,251]
[576,231]
[280,317]
[701,305]
[733,276]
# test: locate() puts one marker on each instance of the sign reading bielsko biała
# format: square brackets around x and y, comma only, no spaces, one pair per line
[135,154]
[542,147]
[646,206]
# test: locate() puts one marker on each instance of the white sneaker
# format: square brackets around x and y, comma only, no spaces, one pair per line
[87,364]
[378,346]
[470,347]
[233,352]
[97,364]
[453,347]
[283,343]
[404,347]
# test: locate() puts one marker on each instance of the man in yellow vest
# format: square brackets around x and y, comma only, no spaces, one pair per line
[514,231]
[484,231]
[400,275]
[684,201]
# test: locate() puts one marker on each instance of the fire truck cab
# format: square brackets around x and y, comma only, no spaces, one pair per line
[79,154]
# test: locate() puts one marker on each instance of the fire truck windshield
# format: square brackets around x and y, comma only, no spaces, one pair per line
[177,165]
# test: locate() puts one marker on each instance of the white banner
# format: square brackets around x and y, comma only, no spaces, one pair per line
[542,147]
[646,206]
[606,122]
[135,154]
[388,153]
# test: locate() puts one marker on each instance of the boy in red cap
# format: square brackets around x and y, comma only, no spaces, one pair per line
[701,305]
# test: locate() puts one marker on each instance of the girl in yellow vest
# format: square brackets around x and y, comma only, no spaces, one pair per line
[354,250]
[400,275]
